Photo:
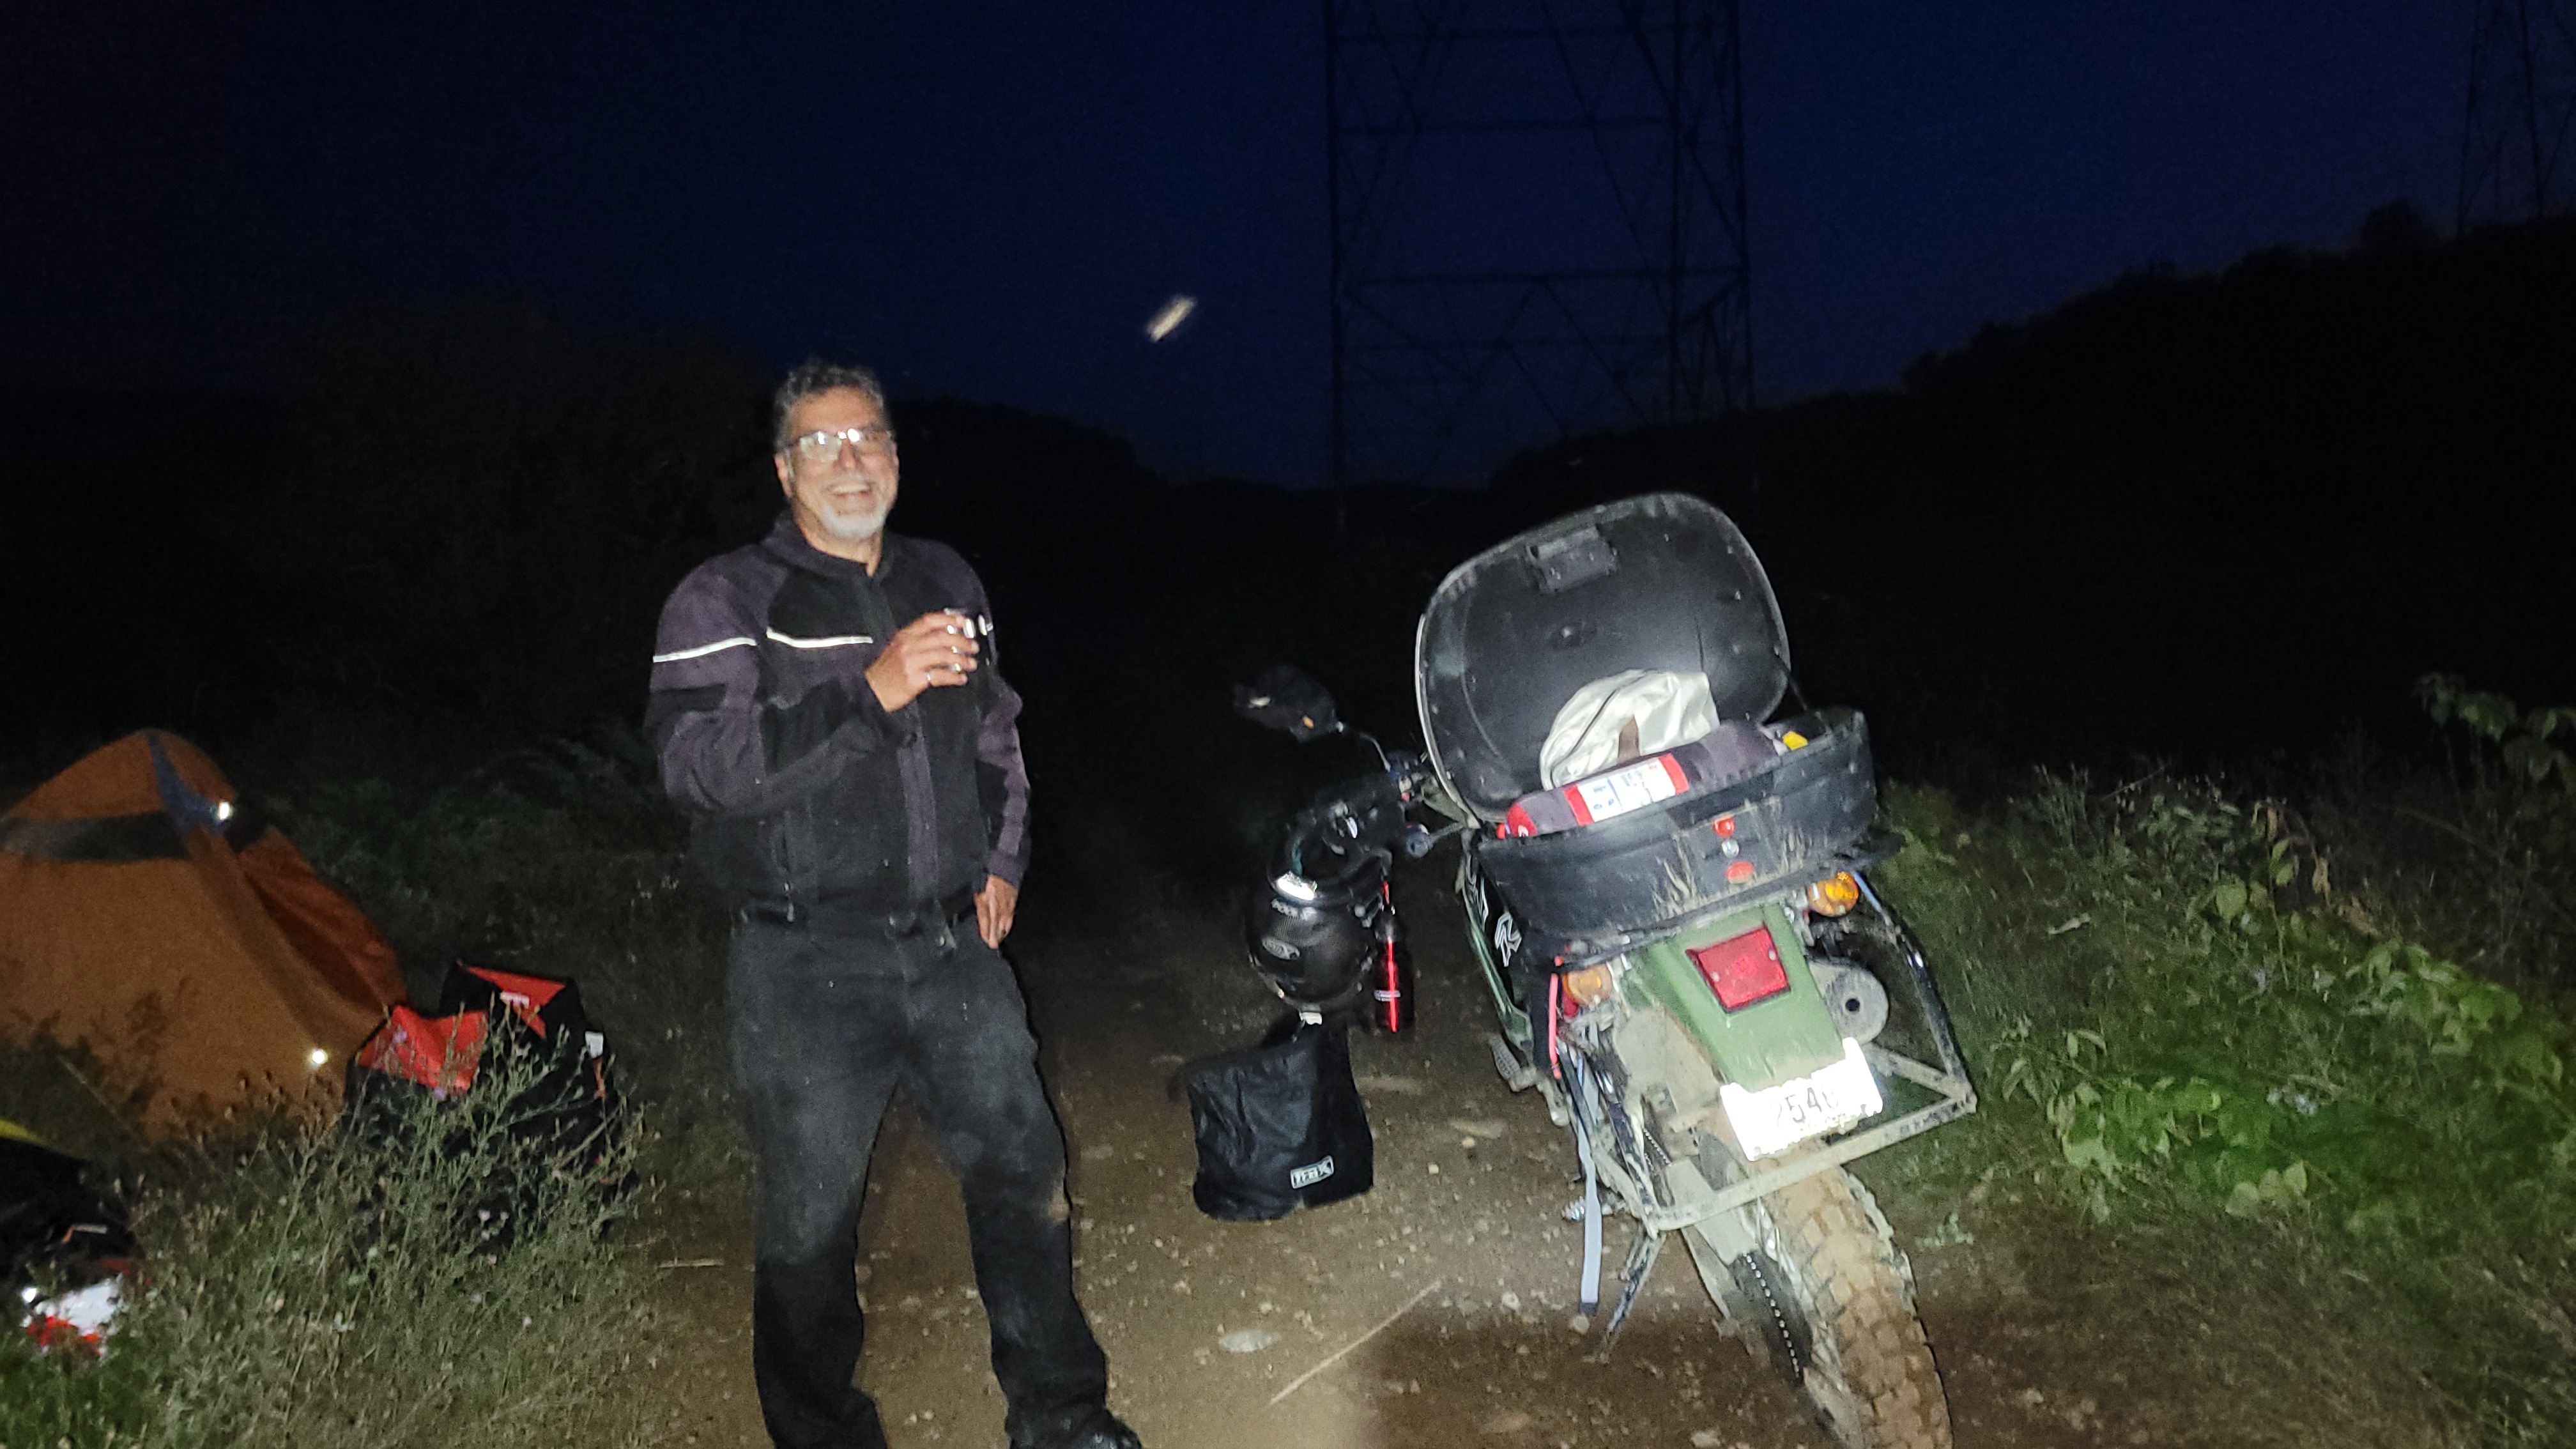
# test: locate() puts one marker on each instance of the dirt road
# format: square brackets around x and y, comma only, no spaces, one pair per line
[1432,1311]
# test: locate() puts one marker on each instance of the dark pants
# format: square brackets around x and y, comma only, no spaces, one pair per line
[825,1028]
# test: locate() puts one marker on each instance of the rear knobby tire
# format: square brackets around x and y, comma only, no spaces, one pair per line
[1846,1326]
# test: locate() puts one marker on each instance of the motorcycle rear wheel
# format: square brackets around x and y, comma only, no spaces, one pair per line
[1841,1317]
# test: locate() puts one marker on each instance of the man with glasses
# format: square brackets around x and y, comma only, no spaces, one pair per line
[827,711]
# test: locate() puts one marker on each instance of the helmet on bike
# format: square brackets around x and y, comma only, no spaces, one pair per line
[1314,927]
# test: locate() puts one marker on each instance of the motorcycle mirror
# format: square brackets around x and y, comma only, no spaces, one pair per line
[1285,698]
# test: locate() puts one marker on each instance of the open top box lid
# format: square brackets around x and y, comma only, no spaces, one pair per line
[1663,581]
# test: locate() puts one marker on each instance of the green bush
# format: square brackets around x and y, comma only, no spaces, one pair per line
[2476,852]
[2194,1027]
[2270,1052]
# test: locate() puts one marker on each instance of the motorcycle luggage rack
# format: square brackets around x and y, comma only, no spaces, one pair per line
[1958,1100]
[1947,1081]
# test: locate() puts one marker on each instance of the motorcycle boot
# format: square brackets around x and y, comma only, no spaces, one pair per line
[1098,1429]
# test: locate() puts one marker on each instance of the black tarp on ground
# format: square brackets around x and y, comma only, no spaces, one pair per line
[51,1222]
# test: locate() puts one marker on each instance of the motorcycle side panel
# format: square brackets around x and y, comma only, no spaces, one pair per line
[1496,935]
[1756,1046]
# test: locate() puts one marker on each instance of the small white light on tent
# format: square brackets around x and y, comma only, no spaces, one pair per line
[223,810]
[317,1057]
[1174,313]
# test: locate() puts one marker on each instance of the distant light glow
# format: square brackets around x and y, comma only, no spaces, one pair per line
[223,810]
[317,1057]
[1174,313]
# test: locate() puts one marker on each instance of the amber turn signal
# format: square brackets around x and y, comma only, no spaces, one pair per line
[1834,895]
[1590,986]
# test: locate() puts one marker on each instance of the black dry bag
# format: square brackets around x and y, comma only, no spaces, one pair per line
[1280,1126]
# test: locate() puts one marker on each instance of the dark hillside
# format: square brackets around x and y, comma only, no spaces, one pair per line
[115,591]
[2208,516]
[2212,514]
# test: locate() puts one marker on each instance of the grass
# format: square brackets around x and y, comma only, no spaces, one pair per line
[2237,1113]
[341,1290]
[314,1290]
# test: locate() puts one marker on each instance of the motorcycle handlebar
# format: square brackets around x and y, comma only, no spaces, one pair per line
[1403,782]
[1368,809]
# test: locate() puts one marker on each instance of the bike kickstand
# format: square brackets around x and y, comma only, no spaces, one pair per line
[1640,1266]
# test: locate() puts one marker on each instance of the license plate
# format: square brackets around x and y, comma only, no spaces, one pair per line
[1776,1118]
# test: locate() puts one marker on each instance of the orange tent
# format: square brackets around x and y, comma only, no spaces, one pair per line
[150,917]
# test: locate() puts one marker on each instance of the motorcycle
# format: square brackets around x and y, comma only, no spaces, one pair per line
[1665,875]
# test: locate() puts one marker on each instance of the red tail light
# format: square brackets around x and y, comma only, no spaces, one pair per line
[1743,969]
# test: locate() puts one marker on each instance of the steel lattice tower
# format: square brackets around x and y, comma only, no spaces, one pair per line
[2522,99]
[1538,224]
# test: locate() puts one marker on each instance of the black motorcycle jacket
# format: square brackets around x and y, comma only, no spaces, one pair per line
[807,798]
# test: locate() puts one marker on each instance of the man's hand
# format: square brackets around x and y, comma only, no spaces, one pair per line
[993,907]
[932,652]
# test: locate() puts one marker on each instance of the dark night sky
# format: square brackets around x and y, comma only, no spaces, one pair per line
[990,199]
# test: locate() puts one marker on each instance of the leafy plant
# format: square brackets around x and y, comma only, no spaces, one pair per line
[2526,740]
[2193,1030]
[2232,1142]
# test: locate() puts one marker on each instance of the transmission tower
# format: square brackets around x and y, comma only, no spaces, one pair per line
[1538,224]
[2522,98]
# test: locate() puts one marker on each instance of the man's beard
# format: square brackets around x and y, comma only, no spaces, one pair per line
[856,526]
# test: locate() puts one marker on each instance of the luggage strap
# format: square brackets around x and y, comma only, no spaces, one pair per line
[1591,1294]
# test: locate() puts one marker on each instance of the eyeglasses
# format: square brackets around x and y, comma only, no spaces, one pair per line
[823,445]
